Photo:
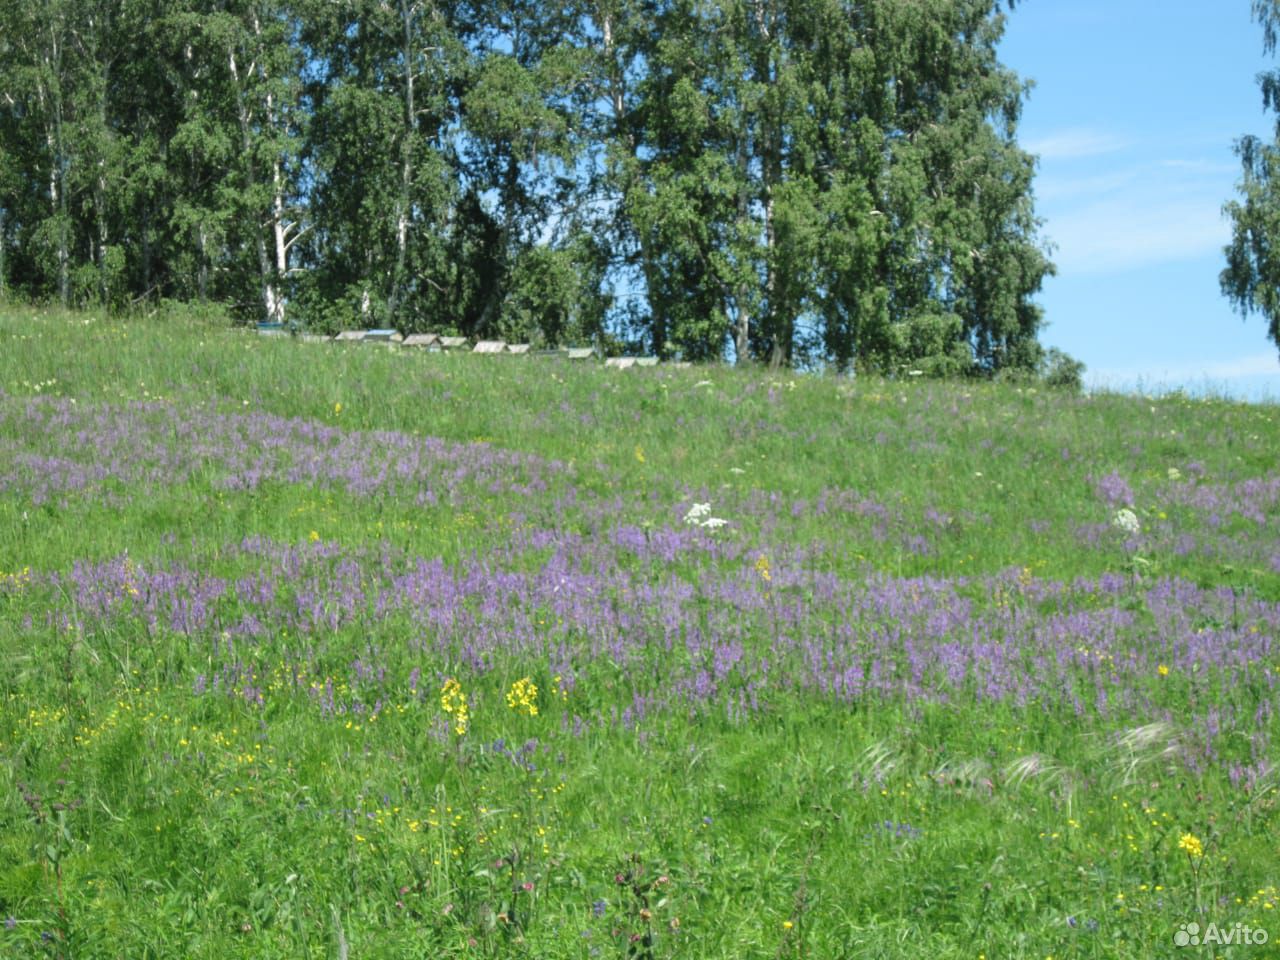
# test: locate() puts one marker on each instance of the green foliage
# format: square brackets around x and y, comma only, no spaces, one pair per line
[1059,369]
[796,184]
[931,340]
[1252,275]
[545,299]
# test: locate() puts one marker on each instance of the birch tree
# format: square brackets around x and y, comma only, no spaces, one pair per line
[37,75]
[241,84]
[1251,279]
[383,91]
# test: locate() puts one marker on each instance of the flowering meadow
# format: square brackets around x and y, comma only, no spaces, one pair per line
[311,651]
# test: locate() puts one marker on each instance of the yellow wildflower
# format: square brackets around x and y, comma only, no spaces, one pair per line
[523,697]
[1191,843]
[762,568]
[453,701]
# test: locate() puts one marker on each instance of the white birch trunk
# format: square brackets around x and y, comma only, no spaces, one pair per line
[273,264]
[279,228]
[100,212]
[202,271]
[4,288]
[51,108]
[407,11]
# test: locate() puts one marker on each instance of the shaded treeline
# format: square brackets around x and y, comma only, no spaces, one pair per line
[783,180]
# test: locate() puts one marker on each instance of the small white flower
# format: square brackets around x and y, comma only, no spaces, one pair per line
[697,512]
[1126,520]
[737,470]
[700,516]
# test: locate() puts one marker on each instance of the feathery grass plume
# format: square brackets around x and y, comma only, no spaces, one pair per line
[1141,746]
[878,762]
[340,936]
[1033,767]
[1263,783]
[969,773]
[1044,771]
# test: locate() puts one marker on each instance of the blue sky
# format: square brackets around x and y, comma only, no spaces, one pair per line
[1134,114]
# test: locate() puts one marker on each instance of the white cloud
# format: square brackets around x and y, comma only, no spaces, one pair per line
[1250,365]
[1257,365]
[1213,167]
[1129,232]
[1074,143]
[1063,188]
[1254,376]
[1164,178]
[1111,214]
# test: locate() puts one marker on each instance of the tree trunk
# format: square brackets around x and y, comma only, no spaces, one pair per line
[742,295]
[202,268]
[57,176]
[58,196]
[780,349]
[146,250]
[278,234]
[406,162]
[271,268]
[266,285]
[279,229]
[658,330]
[778,326]
[4,287]
[51,106]
[100,216]
[742,330]
[103,151]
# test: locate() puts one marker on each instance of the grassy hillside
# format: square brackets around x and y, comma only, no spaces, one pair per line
[327,652]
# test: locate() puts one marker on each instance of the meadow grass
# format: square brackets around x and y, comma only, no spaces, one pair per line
[351,652]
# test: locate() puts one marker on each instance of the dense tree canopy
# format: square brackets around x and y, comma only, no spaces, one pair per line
[789,181]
